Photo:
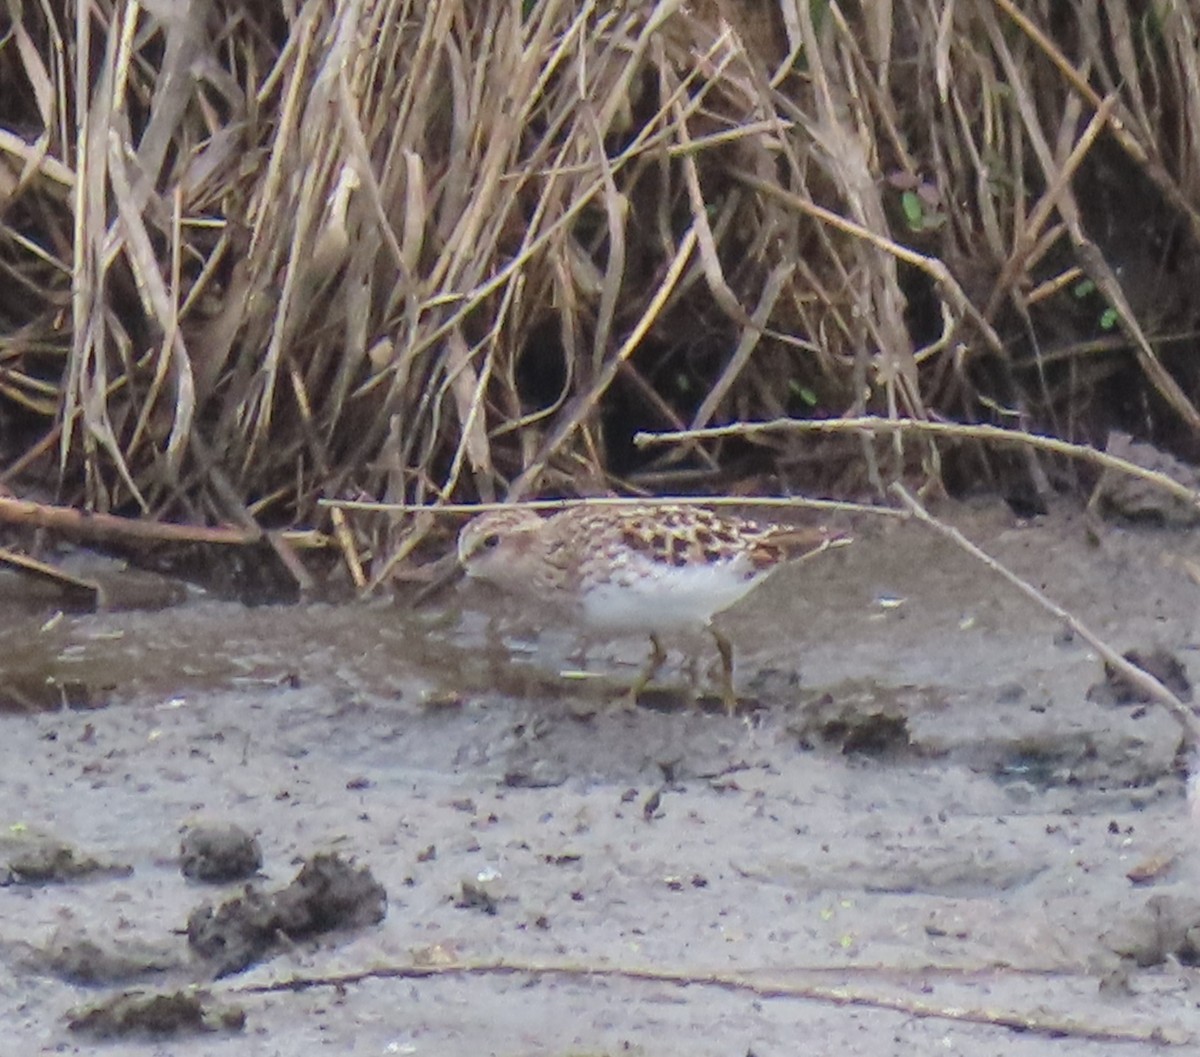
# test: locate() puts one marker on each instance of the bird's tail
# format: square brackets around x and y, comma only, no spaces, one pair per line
[798,543]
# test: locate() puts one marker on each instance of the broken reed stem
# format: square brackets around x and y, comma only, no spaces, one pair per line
[83,524]
[872,424]
[1038,1022]
[67,583]
[1137,677]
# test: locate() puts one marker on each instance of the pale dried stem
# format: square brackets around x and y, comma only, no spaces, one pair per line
[740,501]
[776,984]
[955,430]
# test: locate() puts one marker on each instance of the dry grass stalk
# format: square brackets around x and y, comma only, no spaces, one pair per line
[950,430]
[840,985]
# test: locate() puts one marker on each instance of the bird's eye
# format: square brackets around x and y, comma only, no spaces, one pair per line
[491,542]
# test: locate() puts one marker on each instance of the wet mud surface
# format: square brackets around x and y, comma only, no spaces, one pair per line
[934,828]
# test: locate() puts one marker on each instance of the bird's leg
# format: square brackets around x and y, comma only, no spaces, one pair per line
[654,663]
[579,656]
[692,668]
[725,648]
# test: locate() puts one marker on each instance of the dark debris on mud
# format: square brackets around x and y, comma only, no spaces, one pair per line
[861,720]
[217,854]
[38,859]
[82,961]
[168,1013]
[328,893]
[1168,669]
[1166,927]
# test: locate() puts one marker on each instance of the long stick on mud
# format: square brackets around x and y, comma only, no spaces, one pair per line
[1040,1021]
[1138,677]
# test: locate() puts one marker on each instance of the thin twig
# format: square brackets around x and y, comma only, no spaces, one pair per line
[345,540]
[871,424]
[1038,1022]
[785,502]
[66,582]
[83,524]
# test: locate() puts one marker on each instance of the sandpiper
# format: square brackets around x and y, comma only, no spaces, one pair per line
[635,568]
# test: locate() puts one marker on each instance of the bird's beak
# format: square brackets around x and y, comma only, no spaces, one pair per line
[445,572]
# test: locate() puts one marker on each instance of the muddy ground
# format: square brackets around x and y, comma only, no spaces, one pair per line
[926,835]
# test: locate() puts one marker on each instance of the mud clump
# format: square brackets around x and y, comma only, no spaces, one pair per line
[157,1013]
[473,896]
[328,893]
[1167,927]
[36,859]
[219,853]
[1135,500]
[80,960]
[872,724]
[1164,666]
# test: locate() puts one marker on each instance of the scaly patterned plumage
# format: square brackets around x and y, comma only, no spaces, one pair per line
[651,569]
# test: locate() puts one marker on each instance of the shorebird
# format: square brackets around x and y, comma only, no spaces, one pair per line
[635,569]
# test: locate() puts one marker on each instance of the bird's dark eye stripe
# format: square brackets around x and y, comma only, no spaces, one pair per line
[491,541]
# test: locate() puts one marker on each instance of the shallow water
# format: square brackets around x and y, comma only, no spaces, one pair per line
[663,879]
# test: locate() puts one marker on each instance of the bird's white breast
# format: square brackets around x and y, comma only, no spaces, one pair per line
[649,597]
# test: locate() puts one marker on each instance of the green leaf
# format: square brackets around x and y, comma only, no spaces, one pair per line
[802,393]
[1108,318]
[914,211]
[1082,288]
